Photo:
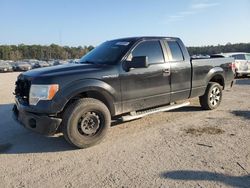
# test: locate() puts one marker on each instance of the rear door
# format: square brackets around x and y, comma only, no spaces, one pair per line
[146,87]
[180,71]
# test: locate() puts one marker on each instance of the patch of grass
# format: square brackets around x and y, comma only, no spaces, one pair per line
[204,130]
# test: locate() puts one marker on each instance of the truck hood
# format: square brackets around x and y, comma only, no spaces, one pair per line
[62,70]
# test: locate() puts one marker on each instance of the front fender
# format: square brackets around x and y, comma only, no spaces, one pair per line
[81,86]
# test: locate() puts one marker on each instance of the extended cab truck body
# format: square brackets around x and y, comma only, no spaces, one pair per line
[127,78]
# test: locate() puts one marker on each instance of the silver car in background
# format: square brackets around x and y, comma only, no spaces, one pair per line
[242,63]
[21,66]
[5,67]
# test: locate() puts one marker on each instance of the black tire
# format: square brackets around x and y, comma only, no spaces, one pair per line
[212,97]
[85,122]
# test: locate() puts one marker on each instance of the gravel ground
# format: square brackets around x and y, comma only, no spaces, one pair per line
[187,147]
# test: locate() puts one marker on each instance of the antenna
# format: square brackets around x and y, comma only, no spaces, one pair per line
[60,37]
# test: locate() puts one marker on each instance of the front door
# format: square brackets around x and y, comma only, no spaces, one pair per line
[146,87]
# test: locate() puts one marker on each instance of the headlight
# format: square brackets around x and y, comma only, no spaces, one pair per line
[42,92]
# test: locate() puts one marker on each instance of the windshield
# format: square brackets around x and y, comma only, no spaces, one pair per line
[107,53]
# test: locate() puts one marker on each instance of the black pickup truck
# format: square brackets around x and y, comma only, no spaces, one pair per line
[125,78]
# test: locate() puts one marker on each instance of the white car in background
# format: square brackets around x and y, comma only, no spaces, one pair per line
[242,63]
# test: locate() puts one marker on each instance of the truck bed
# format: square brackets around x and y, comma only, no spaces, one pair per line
[204,67]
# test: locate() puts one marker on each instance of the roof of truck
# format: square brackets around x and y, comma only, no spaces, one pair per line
[146,37]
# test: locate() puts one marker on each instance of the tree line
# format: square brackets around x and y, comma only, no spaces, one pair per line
[53,51]
[209,50]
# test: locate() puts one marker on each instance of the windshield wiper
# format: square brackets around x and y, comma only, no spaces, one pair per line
[88,62]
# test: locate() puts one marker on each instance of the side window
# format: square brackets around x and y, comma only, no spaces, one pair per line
[239,57]
[175,51]
[151,49]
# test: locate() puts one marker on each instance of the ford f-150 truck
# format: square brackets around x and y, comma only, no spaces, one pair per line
[125,78]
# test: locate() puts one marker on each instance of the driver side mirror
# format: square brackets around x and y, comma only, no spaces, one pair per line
[137,62]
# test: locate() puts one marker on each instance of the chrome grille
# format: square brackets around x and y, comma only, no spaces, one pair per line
[22,90]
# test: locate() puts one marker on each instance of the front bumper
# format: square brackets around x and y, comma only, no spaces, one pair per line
[42,124]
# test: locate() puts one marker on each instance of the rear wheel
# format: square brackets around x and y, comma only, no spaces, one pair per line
[212,97]
[85,122]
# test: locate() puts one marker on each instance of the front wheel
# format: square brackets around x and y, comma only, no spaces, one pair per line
[212,97]
[85,122]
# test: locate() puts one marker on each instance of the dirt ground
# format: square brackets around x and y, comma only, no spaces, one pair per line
[187,147]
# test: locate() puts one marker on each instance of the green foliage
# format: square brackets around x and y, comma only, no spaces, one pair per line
[53,51]
[22,51]
[208,50]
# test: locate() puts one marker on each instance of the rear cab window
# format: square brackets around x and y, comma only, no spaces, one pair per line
[151,49]
[175,51]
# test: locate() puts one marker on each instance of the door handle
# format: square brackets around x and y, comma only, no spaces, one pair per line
[166,71]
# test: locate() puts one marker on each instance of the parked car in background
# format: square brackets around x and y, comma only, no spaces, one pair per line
[60,62]
[5,67]
[51,62]
[242,63]
[41,64]
[73,61]
[22,66]
[32,62]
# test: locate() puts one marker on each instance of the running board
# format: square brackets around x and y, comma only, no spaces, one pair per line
[140,114]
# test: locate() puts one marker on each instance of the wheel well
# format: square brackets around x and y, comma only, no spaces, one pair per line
[218,79]
[93,94]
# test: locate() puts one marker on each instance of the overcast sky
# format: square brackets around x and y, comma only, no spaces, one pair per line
[82,22]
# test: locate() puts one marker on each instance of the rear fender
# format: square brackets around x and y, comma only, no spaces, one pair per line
[216,74]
